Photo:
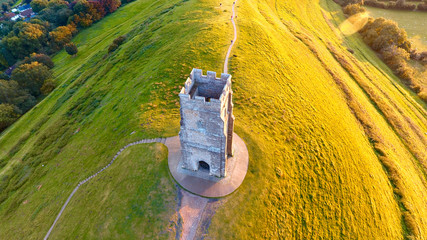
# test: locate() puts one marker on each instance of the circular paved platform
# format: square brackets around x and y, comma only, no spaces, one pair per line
[208,186]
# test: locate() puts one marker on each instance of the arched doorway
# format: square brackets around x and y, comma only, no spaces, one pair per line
[203,166]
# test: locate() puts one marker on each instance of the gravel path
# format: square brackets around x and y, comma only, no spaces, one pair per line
[159,140]
[191,210]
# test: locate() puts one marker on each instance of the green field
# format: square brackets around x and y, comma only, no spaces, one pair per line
[17,3]
[414,22]
[336,143]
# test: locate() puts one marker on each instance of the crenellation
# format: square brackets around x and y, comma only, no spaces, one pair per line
[211,75]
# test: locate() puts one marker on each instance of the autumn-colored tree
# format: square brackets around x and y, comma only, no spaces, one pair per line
[394,56]
[73,28]
[54,3]
[25,39]
[381,33]
[83,20]
[8,115]
[31,76]
[38,5]
[41,58]
[110,5]
[71,48]
[352,9]
[60,36]
[97,10]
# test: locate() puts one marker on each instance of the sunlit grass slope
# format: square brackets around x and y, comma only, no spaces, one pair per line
[336,144]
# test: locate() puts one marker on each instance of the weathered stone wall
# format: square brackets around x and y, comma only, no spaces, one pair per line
[206,121]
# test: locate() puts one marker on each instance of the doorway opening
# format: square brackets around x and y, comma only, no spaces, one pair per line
[204,166]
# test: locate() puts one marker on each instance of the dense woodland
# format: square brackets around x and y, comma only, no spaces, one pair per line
[26,45]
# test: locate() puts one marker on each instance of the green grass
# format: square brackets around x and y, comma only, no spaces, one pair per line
[413,22]
[134,198]
[17,3]
[336,143]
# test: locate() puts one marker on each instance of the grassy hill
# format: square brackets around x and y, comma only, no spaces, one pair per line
[336,143]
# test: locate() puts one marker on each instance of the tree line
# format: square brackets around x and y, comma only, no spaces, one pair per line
[399,5]
[25,47]
[393,46]
[421,5]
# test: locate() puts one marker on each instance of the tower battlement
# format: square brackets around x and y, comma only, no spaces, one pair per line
[206,88]
[207,122]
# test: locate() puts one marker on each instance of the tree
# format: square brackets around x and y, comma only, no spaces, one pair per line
[60,36]
[381,33]
[25,38]
[97,10]
[41,58]
[12,93]
[71,48]
[352,9]
[82,20]
[6,57]
[8,115]
[110,5]
[4,76]
[47,87]
[81,6]
[38,5]
[54,3]
[31,76]
[7,26]
[56,13]
[5,7]
[116,43]
[400,2]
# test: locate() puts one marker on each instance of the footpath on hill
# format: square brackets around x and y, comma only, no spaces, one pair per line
[191,209]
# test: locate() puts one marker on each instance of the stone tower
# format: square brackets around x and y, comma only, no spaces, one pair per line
[207,122]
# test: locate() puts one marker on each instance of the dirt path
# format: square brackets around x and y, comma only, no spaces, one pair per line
[233,41]
[191,211]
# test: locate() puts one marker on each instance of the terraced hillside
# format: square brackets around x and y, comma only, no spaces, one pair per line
[337,146]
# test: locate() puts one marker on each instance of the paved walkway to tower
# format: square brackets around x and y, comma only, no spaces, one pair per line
[237,166]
